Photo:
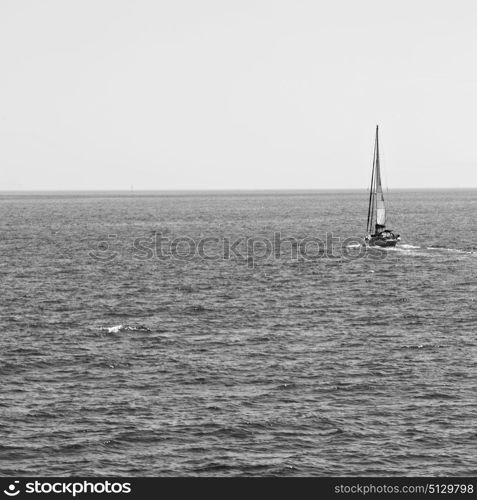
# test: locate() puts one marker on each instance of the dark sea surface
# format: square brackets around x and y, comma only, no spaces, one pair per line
[148,364]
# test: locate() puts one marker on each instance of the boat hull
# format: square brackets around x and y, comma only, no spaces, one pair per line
[380,242]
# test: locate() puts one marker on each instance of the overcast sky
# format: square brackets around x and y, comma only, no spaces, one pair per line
[236,94]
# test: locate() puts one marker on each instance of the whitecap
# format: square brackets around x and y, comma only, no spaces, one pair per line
[115,329]
[126,328]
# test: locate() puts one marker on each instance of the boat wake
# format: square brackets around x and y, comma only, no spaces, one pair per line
[456,250]
[419,250]
[406,247]
[423,250]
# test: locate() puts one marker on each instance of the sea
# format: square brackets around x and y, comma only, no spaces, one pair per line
[237,334]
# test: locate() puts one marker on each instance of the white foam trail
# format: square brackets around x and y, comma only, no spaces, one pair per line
[422,250]
[456,250]
[405,246]
[410,250]
[115,329]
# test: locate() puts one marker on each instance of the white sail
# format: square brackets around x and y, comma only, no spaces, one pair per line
[380,210]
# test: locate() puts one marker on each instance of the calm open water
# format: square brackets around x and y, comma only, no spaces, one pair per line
[141,365]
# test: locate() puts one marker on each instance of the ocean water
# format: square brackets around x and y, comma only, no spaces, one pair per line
[129,360]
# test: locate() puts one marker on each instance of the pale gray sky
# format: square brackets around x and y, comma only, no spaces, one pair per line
[236,94]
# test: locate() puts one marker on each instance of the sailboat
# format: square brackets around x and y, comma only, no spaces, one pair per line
[377,234]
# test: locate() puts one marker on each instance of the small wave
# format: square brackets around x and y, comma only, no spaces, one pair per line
[160,230]
[214,467]
[197,309]
[436,395]
[263,338]
[126,328]
[424,346]
[287,386]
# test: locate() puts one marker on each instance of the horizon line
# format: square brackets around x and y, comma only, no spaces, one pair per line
[208,190]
